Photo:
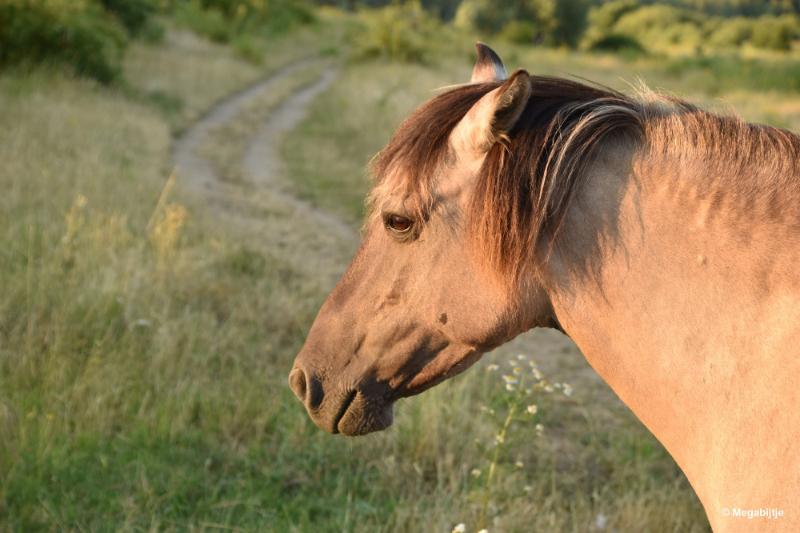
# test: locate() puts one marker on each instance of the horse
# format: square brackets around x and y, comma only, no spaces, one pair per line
[661,238]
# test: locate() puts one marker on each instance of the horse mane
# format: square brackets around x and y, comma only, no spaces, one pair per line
[530,179]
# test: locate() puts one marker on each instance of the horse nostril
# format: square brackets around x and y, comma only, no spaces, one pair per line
[315,393]
[297,382]
[306,387]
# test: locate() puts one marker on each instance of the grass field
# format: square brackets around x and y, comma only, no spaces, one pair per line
[144,346]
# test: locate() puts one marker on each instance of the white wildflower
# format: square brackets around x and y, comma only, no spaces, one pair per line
[567,389]
[460,528]
[539,429]
[475,472]
[533,409]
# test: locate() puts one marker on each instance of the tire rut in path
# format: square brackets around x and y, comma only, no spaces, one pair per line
[262,162]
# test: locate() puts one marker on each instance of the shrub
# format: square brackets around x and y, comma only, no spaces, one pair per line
[490,17]
[556,22]
[731,33]
[222,20]
[661,26]
[617,43]
[569,22]
[80,36]
[773,33]
[399,32]
[210,23]
[602,19]
[135,15]
[520,32]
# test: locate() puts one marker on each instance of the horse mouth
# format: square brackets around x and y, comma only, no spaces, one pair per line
[360,415]
[343,410]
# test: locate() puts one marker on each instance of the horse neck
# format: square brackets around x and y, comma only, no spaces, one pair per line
[689,308]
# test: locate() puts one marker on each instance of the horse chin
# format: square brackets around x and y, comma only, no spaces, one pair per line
[365,416]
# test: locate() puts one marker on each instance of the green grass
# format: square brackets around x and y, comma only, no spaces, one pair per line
[144,345]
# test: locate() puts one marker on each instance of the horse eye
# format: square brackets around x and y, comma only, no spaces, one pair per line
[399,224]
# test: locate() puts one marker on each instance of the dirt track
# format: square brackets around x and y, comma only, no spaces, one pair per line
[260,208]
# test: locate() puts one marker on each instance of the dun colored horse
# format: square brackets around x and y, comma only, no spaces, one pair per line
[664,240]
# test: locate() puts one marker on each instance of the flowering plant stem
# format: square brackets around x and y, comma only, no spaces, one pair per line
[501,437]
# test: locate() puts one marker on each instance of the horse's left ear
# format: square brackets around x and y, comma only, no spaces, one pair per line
[489,66]
[493,116]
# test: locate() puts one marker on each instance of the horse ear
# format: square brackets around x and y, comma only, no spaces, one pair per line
[493,116]
[488,67]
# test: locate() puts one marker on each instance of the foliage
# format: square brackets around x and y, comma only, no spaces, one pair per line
[226,20]
[568,22]
[602,19]
[774,33]
[135,15]
[615,42]
[557,22]
[399,32]
[80,36]
[665,27]
[490,17]
[520,32]
[659,25]
[748,8]
[209,23]
[731,33]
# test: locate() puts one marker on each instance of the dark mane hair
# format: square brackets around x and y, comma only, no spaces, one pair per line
[528,180]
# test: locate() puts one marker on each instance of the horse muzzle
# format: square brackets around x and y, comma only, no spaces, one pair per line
[351,412]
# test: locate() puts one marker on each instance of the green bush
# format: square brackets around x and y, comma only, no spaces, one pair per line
[731,32]
[617,43]
[486,16]
[660,26]
[568,22]
[135,15]
[399,32]
[210,23]
[602,19]
[557,22]
[520,32]
[228,20]
[80,36]
[773,33]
